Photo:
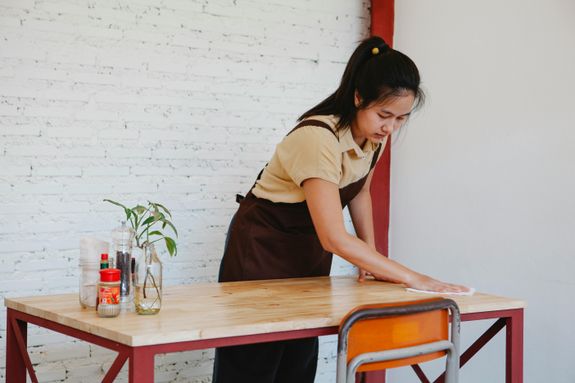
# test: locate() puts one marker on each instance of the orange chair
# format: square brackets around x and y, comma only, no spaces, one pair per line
[377,337]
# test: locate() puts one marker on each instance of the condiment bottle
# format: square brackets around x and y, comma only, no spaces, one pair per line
[109,293]
[104,264]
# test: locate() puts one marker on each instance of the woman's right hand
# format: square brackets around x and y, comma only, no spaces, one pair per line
[423,282]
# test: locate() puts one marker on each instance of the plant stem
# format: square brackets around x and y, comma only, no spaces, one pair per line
[153,281]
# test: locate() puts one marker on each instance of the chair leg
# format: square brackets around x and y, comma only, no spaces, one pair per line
[452,366]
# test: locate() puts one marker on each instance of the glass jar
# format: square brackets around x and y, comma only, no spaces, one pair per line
[148,281]
[88,267]
[109,293]
[89,284]
[122,238]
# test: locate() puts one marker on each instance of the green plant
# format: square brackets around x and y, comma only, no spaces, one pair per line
[145,220]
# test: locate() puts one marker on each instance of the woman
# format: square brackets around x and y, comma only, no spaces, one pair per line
[291,221]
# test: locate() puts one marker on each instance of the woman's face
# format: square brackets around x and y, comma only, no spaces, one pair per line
[377,121]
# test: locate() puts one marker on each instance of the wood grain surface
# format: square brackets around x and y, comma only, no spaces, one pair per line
[216,310]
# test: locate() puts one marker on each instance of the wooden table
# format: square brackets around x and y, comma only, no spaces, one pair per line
[207,315]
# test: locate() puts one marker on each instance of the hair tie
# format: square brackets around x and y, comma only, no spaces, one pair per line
[382,48]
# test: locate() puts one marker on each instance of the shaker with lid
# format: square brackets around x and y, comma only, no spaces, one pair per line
[109,293]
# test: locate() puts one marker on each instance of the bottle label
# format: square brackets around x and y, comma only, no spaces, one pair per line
[109,295]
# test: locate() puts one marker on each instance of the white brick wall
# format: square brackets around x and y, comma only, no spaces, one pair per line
[176,101]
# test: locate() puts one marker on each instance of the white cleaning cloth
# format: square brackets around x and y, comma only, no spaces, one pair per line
[470,292]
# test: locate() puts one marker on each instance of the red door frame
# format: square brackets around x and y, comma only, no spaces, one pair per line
[382,24]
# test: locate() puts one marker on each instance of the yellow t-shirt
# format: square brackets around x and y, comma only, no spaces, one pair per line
[313,152]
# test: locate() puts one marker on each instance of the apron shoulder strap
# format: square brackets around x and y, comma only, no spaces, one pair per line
[317,123]
[375,157]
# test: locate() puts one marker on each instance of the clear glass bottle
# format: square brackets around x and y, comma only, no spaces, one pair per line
[148,281]
[122,238]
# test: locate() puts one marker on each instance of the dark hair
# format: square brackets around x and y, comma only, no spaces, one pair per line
[378,73]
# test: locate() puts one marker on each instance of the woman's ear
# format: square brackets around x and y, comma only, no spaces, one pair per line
[356,99]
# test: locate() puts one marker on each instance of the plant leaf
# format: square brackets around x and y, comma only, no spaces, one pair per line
[164,209]
[128,211]
[155,232]
[166,222]
[171,246]
[139,209]
[149,220]
[116,203]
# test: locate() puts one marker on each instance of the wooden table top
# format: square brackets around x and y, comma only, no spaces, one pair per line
[217,310]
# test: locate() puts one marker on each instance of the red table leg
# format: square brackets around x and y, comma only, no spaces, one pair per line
[514,347]
[15,364]
[373,377]
[141,365]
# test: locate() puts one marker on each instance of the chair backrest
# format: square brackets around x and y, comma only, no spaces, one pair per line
[393,326]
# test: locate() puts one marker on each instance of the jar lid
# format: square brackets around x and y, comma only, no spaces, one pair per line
[104,256]
[110,275]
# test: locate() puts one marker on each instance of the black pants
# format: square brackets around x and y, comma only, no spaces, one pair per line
[274,362]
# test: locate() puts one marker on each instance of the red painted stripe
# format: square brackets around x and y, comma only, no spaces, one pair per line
[382,19]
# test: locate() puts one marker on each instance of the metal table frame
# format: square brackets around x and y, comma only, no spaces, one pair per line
[141,358]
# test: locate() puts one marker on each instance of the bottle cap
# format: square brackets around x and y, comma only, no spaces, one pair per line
[110,275]
[104,256]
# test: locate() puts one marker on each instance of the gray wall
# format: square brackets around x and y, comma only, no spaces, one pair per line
[483,181]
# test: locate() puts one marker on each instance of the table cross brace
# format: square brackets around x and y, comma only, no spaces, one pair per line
[17,328]
[468,354]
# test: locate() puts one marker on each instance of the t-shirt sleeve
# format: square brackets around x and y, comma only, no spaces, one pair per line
[310,152]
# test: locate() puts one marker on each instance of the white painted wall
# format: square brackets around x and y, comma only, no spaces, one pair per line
[181,102]
[483,181]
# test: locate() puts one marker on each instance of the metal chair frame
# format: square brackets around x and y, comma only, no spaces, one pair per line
[346,371]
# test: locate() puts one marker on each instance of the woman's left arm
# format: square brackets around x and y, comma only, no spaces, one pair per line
[360,210]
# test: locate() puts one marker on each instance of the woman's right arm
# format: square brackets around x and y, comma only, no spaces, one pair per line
[323,202]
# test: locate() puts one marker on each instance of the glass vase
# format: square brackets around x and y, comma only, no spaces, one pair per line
[148,281]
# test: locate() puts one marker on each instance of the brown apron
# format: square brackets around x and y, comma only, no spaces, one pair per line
[271,240]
